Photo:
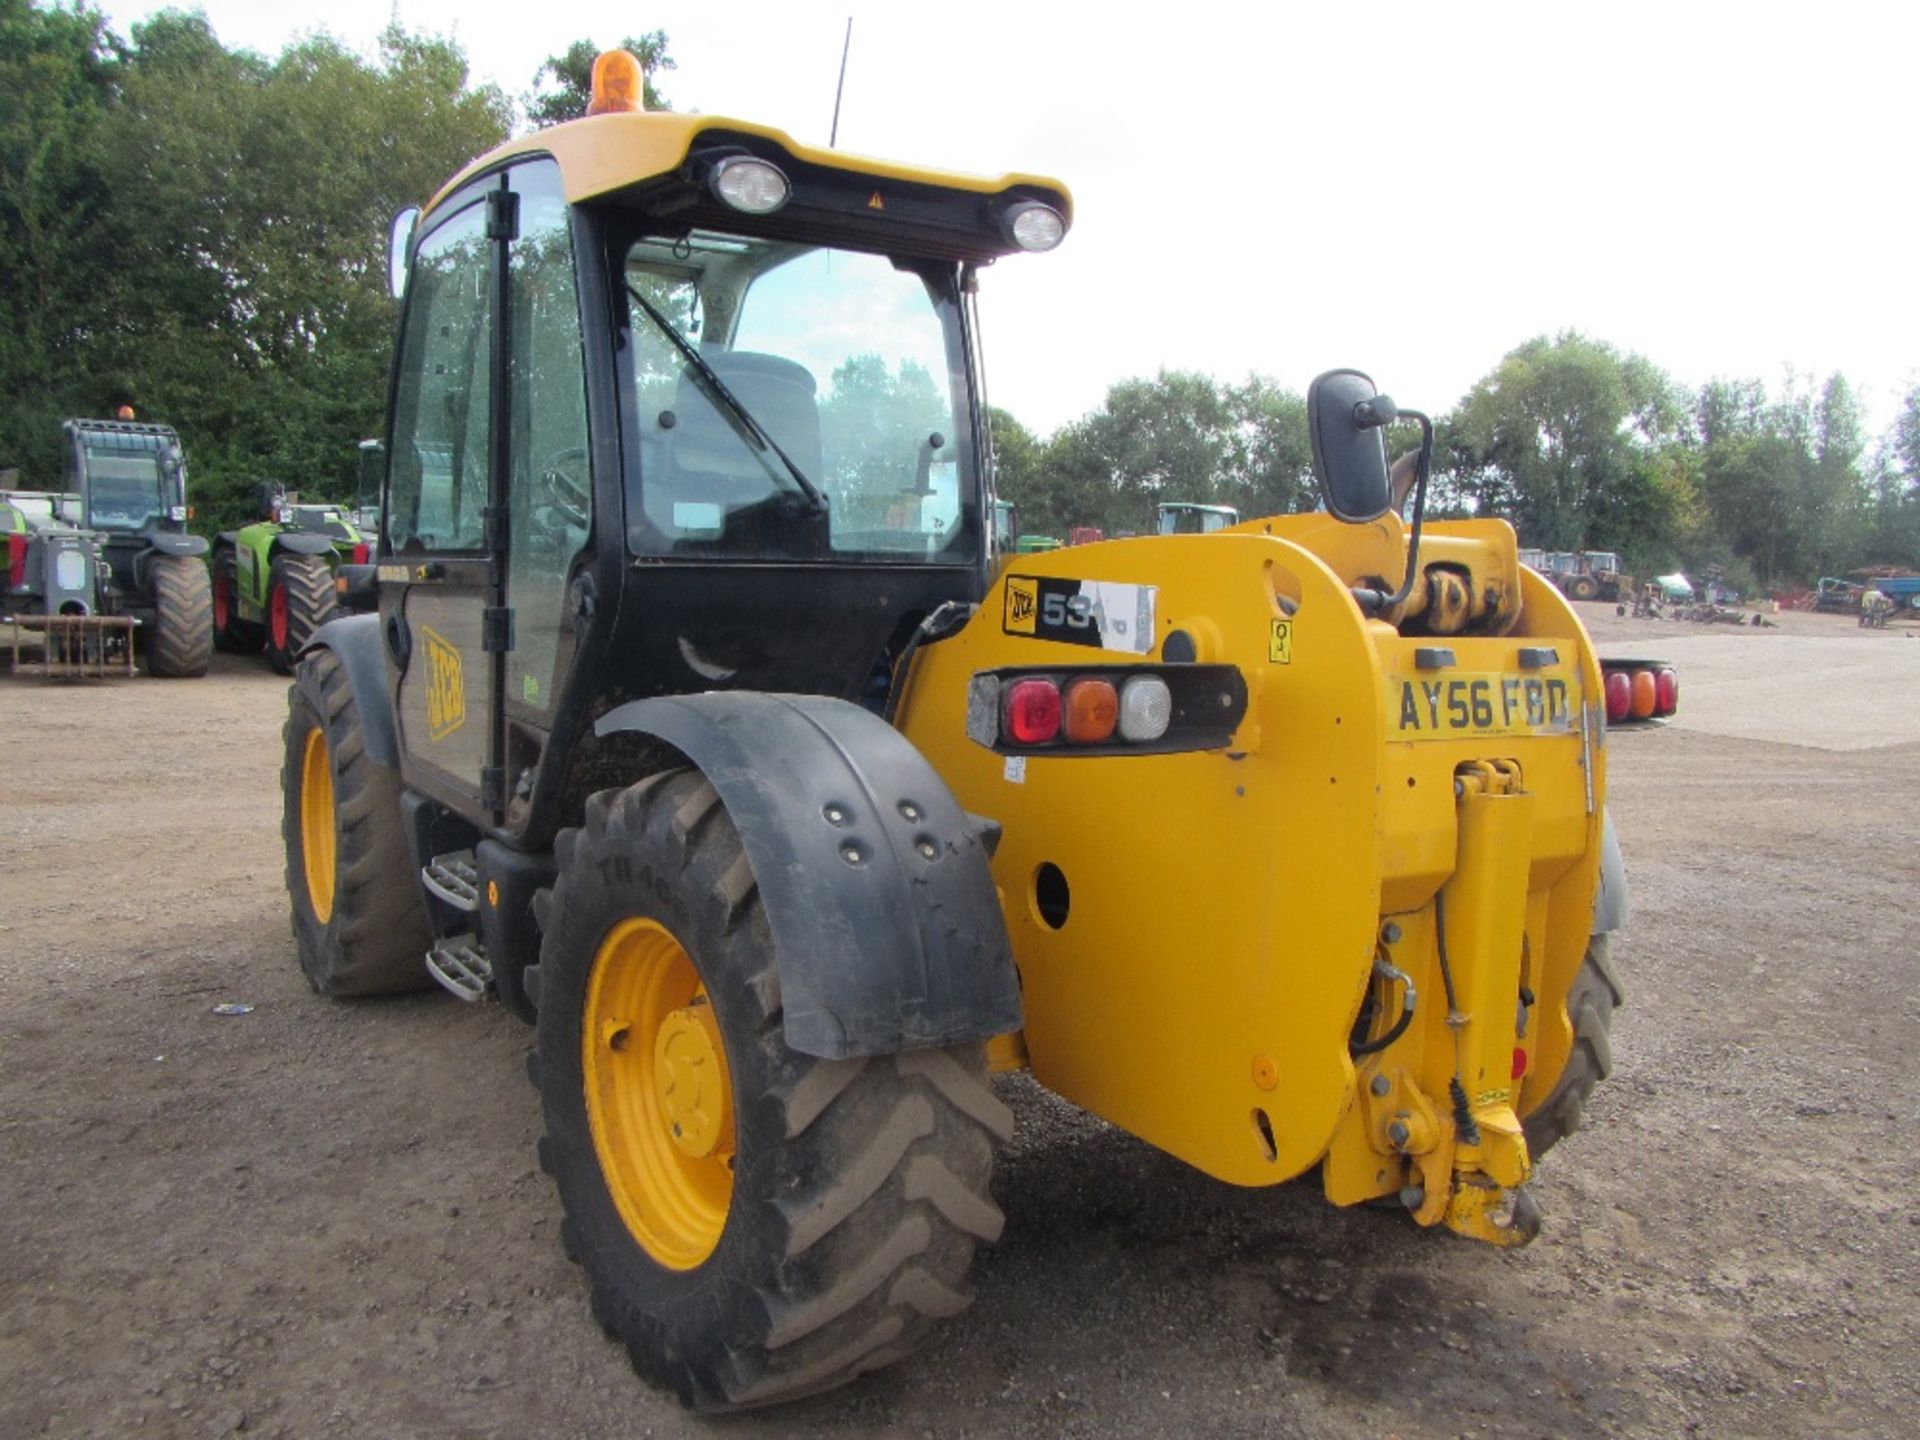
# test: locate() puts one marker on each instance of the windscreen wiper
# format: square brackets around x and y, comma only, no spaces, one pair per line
[717,388]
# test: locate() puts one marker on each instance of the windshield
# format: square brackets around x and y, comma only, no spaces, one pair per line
[850,366]
[123,489]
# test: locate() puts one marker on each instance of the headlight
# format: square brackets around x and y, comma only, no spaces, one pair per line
[754,186]
[1033,226]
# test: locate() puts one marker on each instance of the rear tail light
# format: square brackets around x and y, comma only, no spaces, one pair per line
[361,552]
[1619,696]
[1092,710]
[1032,713]
[1146,708]
[1644,693]
[1107,709]
[16,561]
[1666,692]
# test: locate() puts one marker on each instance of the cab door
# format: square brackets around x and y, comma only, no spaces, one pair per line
[488,496]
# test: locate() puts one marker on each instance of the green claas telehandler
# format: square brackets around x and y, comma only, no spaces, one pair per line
[702,724]
[273,580]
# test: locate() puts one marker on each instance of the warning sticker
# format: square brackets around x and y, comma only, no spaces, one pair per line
[1280,643]
[1097,613]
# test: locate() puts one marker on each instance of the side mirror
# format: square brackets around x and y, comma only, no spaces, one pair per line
[1347,419]
[400,249]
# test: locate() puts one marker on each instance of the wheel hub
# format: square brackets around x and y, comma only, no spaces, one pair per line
[691,1080]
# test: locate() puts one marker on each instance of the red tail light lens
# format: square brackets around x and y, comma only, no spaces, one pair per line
[361,552]
[1619,696]
[16,560]
[1666,692]
[1519,1062]
[1092,709]
[1032,714]
[1643,694]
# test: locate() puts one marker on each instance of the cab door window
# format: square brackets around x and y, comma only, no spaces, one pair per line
[550,488]
[439,462]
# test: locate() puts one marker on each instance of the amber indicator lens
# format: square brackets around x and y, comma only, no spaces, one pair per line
[1092,711]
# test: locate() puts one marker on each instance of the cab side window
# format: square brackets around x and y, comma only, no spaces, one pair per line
[439,488]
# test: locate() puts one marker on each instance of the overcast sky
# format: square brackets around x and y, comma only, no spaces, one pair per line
[1412,189]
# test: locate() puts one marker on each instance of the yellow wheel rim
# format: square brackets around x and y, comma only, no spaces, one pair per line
[316,824]
[659,1097]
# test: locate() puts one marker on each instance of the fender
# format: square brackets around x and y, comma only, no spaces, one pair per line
[301,542]
[173,542]
[162,542]
[356,640]
[880,948]
[1610,900]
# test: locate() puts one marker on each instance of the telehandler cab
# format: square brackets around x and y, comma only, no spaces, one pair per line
[700,723]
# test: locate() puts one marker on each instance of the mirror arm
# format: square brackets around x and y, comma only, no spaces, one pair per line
[1372,602]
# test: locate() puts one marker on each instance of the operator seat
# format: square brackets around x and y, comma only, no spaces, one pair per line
[709,460]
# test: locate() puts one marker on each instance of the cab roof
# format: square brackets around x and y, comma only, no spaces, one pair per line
[601,154]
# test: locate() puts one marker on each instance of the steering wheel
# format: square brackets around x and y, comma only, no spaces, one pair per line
[564,485]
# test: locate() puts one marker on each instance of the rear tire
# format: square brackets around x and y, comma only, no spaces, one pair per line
[181,645]
[1595,995]
[358,919]
[300,600]
[1582,587]
[231,634]
[856,1190]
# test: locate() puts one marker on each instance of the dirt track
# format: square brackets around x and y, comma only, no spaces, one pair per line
[324,1219]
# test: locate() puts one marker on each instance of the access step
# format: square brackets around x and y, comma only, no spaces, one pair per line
[455,879]
[461,965]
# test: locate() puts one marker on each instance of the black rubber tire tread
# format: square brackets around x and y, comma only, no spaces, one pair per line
[375,941]
[308,581]
[861,1186]
[237,636]
[181,645]
[1595,995]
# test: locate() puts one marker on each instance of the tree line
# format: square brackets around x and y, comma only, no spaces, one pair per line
[200,232]
[1580,445]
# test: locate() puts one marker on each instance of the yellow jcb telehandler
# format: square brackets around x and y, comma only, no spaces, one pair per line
[701,724]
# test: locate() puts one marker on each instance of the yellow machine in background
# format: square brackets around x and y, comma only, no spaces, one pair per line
[705,726]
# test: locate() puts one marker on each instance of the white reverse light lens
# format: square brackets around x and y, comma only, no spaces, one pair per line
[751,185]
[70,570]
[1035,227]
[1146,708]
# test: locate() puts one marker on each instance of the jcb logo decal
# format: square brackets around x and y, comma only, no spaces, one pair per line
[446,690]
[1023,606]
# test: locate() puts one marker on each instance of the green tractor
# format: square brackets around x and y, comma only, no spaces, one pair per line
[273,580]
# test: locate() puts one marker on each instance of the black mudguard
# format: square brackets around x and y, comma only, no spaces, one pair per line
[172,542]
[880,948]
[161,542]
[302,542]
[1610,900]
[356,640]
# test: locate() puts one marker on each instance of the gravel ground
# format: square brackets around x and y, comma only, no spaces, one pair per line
[325,1219]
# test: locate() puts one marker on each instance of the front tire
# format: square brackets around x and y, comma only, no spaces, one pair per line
[181,645]
[755,1224]
[300,600]
[358,918]
[1595,995]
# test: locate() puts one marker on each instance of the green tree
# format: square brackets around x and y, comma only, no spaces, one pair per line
[564,84]
[1561,439]
[247,285]
[59,70]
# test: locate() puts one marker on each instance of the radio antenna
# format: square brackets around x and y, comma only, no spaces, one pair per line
[840,88]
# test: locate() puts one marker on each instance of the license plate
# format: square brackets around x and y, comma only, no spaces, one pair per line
[1461,704]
